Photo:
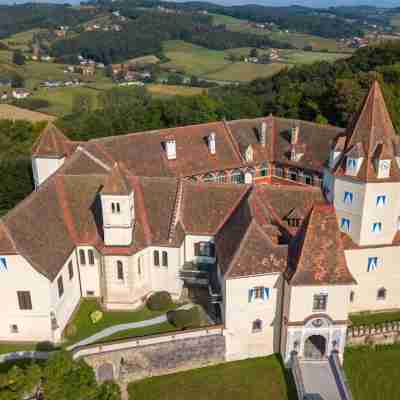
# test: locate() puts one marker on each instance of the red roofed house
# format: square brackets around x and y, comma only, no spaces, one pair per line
[122,217]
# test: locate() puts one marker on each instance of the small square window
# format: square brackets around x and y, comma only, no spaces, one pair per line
[320,302]
[381,295]
[14,328]
[257,326]
[89,293]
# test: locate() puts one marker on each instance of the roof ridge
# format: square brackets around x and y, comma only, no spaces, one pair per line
[8,234]
[232,140]
[93,158]
[175,217]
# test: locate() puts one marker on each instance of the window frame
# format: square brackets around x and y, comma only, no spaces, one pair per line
[82,257]
[91,258]
[164,258]
[70,270]
[348,197]
[156,258]
[381,200]
[24,300]
[320,302]
[60,286]
[376,227]
[120,271]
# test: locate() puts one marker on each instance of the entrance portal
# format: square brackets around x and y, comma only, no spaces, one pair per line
[315,347]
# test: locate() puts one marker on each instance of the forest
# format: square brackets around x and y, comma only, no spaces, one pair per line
[146,31]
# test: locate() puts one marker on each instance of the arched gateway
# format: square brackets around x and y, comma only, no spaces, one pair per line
[315,347]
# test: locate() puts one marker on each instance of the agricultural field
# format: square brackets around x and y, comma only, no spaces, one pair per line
[255,379]
[215,65]
[21,40]
[298,40]
[159,90]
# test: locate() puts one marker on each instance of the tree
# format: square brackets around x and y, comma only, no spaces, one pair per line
[253,53]
[82,103]
[18,58]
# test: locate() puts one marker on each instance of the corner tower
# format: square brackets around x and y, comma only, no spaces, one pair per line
[117,202]
[365,179]
[49,153]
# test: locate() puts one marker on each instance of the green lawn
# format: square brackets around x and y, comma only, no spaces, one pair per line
[86,328]
[254,379]
[369,318]
[373,373]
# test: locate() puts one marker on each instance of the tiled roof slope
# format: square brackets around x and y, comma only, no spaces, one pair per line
[244,244]
[143,154]
[52,143]
[371,135]
[116,183]
[7,245]
[316,255]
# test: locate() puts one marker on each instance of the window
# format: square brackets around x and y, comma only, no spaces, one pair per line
[24,300]
[70,270]
[156,258]
[259,293]
[320,302]
[308,179]
[221,177]
[377,227]
[352,295]
[279,171]
[165,259]
[139,266]
[345,224]
[115,208]
[91,257]
[204,249]
[118,208]
[348,198]
[381,295]
[398,223]
[292,174]
[89,293]
[14,328]
[120,271]
[372,264]
[381,201]
[60,285]
[237,177]
[264,170]
[257,326]
[208,178]
[3,264]
[351,163]
[294,222]
[82,257]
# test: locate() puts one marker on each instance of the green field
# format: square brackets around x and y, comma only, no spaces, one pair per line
[215,65]
[255,379]
[299,40]
[367,318]
[21,40]
[373,373]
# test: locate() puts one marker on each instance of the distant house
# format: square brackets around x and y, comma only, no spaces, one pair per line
[20,93]
[5,82]
[88,70]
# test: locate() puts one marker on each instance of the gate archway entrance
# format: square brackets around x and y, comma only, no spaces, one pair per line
[315,347]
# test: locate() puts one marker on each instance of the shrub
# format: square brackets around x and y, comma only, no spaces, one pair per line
[96,316]
[184,319]
[70,330]
[159,301]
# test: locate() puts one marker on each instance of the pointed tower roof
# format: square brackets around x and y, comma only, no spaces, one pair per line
[116,183]
[316,254]
[52,143]
[370,130]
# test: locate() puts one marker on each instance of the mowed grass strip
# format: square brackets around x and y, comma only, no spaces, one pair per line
[373,373]
[253,379]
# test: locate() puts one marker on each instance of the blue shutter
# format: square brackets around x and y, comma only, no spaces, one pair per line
[3,264]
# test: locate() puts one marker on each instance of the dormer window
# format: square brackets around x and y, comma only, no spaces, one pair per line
[249,154]
[383,169]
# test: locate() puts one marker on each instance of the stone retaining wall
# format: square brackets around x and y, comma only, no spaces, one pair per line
[386,333]
[167,356]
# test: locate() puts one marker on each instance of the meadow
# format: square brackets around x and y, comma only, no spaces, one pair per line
[215,65]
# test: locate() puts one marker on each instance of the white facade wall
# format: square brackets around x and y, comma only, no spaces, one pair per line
[44,167]
[63,306]
[240,313]
[33,325]
[386,275]
[89,274]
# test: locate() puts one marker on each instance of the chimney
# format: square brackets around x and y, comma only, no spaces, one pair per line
[211,143]
[294,137]
[263,134]
[170,148]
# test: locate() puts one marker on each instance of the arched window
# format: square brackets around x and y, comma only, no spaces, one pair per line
[91,257]
[257,325]
[237,177]
[221,177]
[118,208]
[120,270]
[381,295]
[82,257]
[209,178]
[264,170]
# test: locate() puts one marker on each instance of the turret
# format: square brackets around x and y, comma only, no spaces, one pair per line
[117,202]
[49,153]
